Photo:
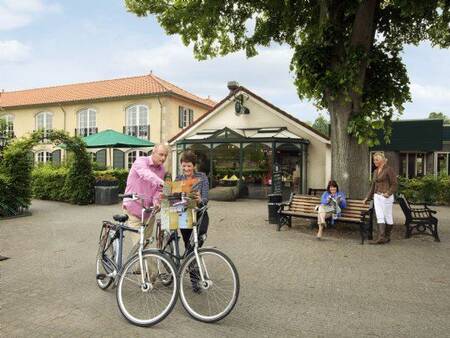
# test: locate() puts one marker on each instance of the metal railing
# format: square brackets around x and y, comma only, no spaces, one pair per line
[142,131]
[83,132]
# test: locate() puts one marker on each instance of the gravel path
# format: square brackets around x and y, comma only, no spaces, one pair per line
[291,284]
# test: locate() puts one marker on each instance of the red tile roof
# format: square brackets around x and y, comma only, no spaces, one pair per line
[106,89]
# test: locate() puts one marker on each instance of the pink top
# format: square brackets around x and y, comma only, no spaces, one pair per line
[145,179]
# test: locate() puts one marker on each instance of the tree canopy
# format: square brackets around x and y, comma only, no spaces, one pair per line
[439,116]
[322,124]
[332,39]
[347,56]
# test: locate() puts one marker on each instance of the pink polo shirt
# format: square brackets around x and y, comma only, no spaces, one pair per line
[145,179]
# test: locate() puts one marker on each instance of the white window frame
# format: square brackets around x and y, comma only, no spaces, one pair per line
[436,161]
[9,119]
[408,156]
[48,119]
[47,157]
[137,153]
[137,121]
[90,128]
[187,118]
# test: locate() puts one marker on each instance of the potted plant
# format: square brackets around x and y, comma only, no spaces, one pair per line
[106,189]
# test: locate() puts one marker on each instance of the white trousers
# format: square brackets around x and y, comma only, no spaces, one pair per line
[383,208]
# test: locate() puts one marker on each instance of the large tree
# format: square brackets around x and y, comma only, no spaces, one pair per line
[347,56]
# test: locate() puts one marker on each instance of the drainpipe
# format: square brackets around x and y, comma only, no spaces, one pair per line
[63,152]
[161,121]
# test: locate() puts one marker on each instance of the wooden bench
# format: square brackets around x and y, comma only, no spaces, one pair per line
[303,206]
[420,218]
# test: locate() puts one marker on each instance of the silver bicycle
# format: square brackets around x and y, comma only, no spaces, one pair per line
[147,283]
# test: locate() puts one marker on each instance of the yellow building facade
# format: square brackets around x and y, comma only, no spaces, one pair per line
[146,107]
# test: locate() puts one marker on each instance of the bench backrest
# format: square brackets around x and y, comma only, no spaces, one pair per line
[404,204]
[306,204]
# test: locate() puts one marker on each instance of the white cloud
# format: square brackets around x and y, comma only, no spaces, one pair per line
[19,13]
[266,74]
[13,51]
[430,92]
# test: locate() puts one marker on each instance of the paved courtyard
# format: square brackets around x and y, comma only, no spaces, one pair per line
[291,284]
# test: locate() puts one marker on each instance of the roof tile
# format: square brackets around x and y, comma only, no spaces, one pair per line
[130,86]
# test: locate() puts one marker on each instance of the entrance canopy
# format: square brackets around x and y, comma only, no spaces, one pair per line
[113,139]
[244,135]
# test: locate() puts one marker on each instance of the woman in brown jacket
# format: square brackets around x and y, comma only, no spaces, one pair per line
[384,185]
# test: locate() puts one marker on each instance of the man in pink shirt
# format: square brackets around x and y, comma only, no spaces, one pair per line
[145,178]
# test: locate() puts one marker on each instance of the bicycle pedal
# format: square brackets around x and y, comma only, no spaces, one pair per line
[101,276]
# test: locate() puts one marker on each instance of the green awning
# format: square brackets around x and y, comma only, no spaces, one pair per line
[113,139]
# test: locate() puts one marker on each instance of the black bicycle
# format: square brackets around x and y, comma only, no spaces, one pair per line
[209,281]
[147,283]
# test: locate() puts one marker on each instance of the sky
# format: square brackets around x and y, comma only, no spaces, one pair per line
[52,42]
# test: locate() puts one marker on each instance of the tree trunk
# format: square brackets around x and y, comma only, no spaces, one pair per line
[349,160]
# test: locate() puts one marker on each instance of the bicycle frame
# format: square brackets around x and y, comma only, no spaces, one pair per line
[176,257]
[118,240]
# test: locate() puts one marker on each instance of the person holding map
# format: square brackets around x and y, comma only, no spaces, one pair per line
[200,187]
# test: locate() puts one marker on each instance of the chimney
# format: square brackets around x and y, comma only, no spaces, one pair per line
[232,85]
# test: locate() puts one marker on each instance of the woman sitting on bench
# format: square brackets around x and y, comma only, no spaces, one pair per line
[331,203]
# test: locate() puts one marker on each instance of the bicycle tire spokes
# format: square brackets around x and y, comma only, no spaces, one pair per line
[147,303]
[210,297]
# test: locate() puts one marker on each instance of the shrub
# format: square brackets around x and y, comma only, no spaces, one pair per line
[428,189]
[106,180]
[15,172]
[48,183]
[120,174]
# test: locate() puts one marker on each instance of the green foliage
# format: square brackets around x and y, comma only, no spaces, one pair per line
[322,124]
[16,167]
[428,189]
[354,72]
[15,175]
[120,174]
[439,116]
[49,183]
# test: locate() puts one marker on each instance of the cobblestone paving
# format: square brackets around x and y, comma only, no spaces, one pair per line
[291,284]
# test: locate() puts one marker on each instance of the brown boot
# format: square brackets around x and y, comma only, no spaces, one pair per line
[388,232]
[381,234]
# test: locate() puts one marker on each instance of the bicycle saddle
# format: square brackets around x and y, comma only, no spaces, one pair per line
[120,218]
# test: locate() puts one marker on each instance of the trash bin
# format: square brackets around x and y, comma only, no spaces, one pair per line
[274,203]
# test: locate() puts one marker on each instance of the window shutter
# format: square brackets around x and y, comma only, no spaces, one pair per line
[118,159]
[180,116]
[191,116]
[100,157]
[56,157]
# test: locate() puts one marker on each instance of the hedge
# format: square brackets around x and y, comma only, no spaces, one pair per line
[428,189]
[15,177]
[49,183]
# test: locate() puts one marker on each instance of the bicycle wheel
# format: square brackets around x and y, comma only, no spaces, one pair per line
[214,299]
[105,263]
[149,303]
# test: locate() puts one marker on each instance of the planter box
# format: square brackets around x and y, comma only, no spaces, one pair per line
[106,195]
